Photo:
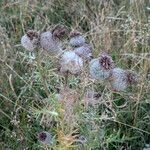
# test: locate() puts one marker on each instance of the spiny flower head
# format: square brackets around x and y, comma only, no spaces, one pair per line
[118,79]
[71,62]
[131,77]
[76,39]
[45,137]
[30,40]
[59,32]
[106,61]
[84,52]
[50,44]
[100,68]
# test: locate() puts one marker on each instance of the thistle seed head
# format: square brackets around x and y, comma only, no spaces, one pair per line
[76,39]
[30,40]
[84,52]
[44,137]
[100,68]
[59,32]
[131,77]
[50,44]
[71,62]
[106,61]
[118,79]
[32,34]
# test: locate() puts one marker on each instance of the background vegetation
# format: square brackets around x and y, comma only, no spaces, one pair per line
[28,90]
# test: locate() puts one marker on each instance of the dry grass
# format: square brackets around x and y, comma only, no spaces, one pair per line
[28,93]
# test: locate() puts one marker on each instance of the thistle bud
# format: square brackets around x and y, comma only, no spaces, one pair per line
[84,52]
[100,68]
[45,137]
[76,39]
[71,62]
[30,40]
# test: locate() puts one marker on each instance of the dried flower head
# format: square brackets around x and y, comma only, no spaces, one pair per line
[45,137]
[131,77]
[30,40]
[50,44]
[71,62]
[100,68]
[76,39]
[118,79]
[84,52]
[106,61]
[59,32]
[68,97]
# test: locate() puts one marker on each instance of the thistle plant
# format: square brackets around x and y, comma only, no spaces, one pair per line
[76,39]
[118,79]
[100,68]
[50,41]
[84,51]
[71,62]
[121,79]
[44,137]
[30,40]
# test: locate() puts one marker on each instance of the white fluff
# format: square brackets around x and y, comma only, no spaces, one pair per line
[48,43]
[28,44]
[77,41]
[118,79]
[84,51]
[71,62]
[96,70]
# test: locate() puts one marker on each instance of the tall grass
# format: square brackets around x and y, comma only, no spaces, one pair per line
[29,99]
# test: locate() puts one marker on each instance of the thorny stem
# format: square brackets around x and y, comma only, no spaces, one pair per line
[66,78]
[41,73]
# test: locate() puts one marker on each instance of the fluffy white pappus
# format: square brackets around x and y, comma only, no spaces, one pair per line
[45,137]
[50,44]
[77,41]
[118,79]
[29,43]
[97,71]
[71,62]
[84,52]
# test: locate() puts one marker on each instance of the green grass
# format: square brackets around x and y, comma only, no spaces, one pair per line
[28,93]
